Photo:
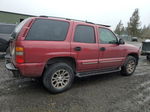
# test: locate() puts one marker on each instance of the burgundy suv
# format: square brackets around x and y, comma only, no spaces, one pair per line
[57,50]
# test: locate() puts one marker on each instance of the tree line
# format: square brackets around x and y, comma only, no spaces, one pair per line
[133,28]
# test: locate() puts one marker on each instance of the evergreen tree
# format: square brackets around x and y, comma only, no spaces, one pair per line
[145,32]
[134,24]
[119,28]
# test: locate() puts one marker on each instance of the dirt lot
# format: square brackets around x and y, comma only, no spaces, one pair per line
[103,93]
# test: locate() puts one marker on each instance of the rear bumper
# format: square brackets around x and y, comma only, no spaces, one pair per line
[25,69]
[11,67]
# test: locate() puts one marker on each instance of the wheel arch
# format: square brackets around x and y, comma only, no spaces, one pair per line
[69,60]
[134,55]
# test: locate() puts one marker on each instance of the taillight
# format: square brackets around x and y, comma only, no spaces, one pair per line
[19,51]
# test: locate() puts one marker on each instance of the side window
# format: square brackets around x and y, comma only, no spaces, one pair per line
[48,30]
[107,37]
[84,34]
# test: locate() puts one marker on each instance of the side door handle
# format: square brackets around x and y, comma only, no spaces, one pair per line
[102,49]
[77,48]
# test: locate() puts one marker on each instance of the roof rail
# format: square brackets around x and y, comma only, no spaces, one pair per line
[75,20]
[43,16]
[62,18]
[104,25]
[56,17]
[89,22]
[59,17]
[98,24]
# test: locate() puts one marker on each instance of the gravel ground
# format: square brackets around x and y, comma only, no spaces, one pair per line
[102,93]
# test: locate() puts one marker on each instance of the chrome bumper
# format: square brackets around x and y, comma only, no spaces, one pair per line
[9,65]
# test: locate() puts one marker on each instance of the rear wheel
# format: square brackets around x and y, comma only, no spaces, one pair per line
[58,77]
[129,66]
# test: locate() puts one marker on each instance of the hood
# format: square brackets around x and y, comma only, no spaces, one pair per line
[133,47]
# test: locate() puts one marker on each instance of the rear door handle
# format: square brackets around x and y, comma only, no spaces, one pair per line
[102,49]
[77,48]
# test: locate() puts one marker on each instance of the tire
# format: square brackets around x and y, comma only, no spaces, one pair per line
[129,66]
[148,57]
[58,77]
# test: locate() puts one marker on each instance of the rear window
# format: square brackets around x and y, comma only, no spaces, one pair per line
[48,30]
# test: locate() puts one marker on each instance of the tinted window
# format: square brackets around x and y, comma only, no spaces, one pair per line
[107,37]
[48,30]
[84,34]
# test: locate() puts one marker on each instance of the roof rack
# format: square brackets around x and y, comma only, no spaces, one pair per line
[89,22]
[98,24]
[75,20]
[104,25]
[43,16]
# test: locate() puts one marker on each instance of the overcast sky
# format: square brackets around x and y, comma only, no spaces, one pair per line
[99,11]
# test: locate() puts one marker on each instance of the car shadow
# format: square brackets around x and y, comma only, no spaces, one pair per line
[91,80]
[34,85]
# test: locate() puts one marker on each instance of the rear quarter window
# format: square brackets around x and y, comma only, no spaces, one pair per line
[48,30]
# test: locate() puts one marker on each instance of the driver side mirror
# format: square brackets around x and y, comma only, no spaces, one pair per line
[121,41]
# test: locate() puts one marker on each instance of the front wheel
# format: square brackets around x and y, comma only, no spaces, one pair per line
[58,77]
[129,66]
